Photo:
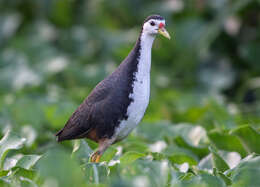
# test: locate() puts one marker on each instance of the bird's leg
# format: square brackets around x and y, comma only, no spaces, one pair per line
[103,145]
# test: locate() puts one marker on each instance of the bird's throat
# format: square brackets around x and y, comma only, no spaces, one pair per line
[146,43]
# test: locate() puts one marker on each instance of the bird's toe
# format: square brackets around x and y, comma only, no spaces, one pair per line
[95,157]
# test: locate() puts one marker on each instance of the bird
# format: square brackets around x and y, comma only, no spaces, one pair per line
[118,103]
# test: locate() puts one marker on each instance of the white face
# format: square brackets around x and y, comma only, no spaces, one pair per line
[152,26]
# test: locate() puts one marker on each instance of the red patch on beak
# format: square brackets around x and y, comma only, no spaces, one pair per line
[161,25]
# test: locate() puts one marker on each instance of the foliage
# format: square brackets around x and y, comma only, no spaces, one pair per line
[202,124]
[175,165]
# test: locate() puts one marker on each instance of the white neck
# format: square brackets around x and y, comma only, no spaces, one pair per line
[141,88]
[147,40]
[144,65]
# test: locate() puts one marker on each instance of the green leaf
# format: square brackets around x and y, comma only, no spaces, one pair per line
[153,131]
[158,156]
[219,174]
[249,138]
[27,182]
[21,172]
[59,165]
[246,173]
[186,176]
[202,180]
[3,173]
[225,141]
[81,150]
[9,142]
[92,145]
[130,157]
[182,158]
[217,161]
[226,179]
[199,151]
[108,155]
[95,173]
[135,144]
[28,161]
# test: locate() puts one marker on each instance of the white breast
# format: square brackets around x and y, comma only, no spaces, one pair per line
[141,91]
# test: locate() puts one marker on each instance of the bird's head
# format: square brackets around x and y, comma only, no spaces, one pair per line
[155,24]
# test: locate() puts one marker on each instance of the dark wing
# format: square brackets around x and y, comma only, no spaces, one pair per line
[107,104]
[80,123]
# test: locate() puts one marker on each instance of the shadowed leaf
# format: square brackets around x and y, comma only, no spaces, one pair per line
[225,141]
[182,158]
[249,138]
[199,151]
[246,173]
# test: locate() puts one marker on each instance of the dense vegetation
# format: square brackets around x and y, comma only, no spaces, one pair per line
[203,121]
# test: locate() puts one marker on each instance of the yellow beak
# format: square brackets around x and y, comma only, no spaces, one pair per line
[164,32]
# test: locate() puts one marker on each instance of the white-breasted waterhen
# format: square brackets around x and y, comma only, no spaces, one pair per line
[118,103]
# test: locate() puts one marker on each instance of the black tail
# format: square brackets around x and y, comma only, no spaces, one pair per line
[59,137]
[65,134]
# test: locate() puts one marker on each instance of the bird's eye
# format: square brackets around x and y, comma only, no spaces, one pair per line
[152,23]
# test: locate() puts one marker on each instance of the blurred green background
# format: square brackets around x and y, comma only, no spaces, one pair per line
[205,87]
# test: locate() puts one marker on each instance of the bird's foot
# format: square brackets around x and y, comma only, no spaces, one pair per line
[95,157]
